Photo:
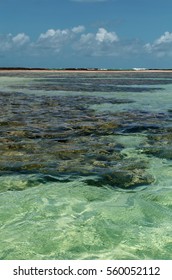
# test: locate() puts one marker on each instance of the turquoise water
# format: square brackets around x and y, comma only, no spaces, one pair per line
[85,166]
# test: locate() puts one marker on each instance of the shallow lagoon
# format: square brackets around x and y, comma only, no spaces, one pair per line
[85,165]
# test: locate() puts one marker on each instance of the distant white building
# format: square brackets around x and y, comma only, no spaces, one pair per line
[139,69]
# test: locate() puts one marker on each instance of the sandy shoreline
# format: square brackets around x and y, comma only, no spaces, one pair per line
[81,71]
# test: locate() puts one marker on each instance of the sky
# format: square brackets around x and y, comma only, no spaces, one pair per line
[86,33]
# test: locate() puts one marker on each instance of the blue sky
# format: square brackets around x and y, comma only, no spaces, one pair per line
[86,33]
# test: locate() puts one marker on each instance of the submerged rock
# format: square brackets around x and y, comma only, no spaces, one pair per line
[61,136]
[128,179]
[126,176]
[159,145]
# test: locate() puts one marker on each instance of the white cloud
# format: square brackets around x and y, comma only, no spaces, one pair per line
[162,46]
[50,33]
[57,39]
[54,36]
[9,42]
[100,43]
[5,42]
[103,36]
[165,38]
[78,29]
[20,39]
[87,38]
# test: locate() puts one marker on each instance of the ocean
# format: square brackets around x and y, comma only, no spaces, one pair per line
[85,165]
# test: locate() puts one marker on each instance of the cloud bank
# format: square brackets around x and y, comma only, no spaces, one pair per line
[162,46]
[9,42]
[76,41]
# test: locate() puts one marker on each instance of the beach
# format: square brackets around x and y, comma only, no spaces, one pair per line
[83,71]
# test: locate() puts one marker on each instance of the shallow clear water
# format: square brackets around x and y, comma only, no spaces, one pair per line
[86,166]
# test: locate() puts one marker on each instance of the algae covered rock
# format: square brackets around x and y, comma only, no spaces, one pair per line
[128,179]
[123,178]
[159,144]
[61,135]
